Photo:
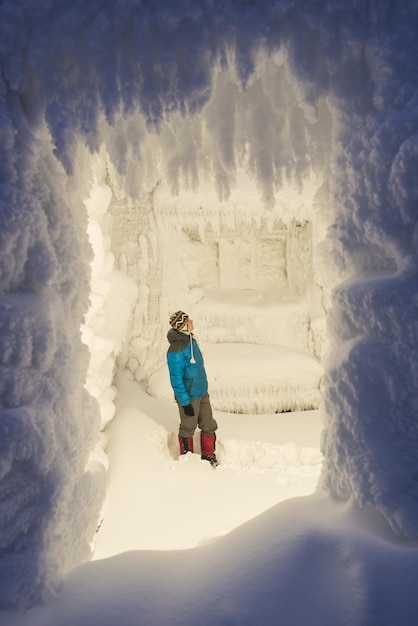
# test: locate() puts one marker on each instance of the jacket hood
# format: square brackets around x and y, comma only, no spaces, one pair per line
[177,335]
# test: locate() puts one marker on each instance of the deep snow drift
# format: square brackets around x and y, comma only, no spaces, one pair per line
[182,543]
[289,131]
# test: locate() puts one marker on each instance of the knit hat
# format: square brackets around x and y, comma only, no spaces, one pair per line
[178,320]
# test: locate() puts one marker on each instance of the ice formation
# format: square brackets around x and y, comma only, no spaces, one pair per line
[265,118]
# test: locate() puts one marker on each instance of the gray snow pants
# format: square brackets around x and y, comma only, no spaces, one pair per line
[202,417]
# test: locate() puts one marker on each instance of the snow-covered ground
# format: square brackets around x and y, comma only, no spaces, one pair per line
[182,544]
[157,501]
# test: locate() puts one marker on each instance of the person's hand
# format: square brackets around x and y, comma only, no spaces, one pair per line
[188,409]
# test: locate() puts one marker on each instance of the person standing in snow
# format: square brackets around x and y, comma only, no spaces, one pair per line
[190,385]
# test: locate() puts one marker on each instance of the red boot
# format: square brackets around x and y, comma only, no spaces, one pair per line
[186,444]
[207,444]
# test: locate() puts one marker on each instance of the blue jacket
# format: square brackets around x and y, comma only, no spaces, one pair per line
[188,380]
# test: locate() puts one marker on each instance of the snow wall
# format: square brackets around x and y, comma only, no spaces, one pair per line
[104,104]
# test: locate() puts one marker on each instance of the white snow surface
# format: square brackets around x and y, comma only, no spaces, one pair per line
[254,474]
[255,165]
[254,541]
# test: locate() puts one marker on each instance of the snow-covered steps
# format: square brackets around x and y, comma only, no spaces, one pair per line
[274,317]
[249,378]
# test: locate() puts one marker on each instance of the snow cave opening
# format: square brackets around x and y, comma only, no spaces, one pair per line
[242,262]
